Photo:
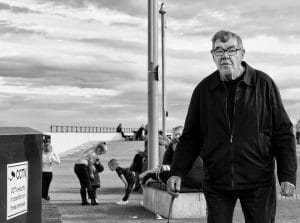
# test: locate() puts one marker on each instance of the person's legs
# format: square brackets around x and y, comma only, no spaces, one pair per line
[148,176]
[94,189]
[94,201]
[137,186]
[44,185]
[136,167]
[259,205]
[46,180]
[84,179]
[128,190]
[164,176]
[220,205]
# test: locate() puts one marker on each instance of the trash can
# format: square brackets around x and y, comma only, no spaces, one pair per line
[21,175]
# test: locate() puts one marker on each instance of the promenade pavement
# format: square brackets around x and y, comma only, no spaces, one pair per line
[64,193]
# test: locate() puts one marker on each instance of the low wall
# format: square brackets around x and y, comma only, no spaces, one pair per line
[63,141]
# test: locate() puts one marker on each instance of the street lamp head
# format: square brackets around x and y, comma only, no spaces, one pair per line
[161,10]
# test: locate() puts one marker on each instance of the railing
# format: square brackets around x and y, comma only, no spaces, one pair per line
[88,129]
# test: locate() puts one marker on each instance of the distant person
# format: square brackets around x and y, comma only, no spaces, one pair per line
[120,130]
[164,169]
[139,163]
[140,160]
[163,143]
[48,157]
[126,176]
[136,167]
[140,134]
[194,177]
[237,123]
[85,159]
[94,170]
[168,156]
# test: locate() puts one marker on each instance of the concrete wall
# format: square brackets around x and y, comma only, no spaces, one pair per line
[186,205]
[64,141]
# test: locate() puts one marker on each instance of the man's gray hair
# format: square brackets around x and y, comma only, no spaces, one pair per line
[224,36]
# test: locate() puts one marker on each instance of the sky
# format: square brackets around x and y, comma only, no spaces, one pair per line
[84,62]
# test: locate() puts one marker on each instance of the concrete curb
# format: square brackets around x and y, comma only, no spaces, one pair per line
[294,197]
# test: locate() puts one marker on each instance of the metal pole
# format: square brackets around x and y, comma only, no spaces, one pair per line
[152,84]
[162,12]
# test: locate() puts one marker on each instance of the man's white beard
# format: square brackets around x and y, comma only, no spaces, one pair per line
[226,76]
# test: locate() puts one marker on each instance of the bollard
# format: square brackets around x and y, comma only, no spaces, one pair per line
[21,175]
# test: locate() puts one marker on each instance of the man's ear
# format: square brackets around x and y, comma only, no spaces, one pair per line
[212,55]
[243,53]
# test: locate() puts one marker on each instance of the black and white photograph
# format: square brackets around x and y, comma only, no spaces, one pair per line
[149,111]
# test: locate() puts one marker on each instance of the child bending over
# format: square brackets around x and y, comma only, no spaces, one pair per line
[126,176]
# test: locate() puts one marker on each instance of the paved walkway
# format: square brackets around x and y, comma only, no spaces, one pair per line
[64,192]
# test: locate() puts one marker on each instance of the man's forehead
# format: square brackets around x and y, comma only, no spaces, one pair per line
[232,42]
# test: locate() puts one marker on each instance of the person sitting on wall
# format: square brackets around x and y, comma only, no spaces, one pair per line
[120,130]
[140,134]
[167,159]
[140,160]
[162,173]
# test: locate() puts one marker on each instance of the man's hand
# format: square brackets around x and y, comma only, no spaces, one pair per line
[287,189]
[174,185]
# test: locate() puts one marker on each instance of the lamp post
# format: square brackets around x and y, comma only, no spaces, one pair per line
[162,12]
[152,84]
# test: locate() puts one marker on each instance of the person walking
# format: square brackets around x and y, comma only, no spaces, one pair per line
[237,123]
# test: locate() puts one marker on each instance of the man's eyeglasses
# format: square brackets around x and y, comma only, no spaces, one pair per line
[220,52]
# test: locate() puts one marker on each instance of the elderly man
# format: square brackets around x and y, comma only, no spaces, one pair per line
[237,123]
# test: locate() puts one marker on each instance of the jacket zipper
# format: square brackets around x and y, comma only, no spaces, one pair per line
[231,135]
[232,128]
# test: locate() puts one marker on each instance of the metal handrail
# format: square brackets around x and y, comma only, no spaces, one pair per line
[87,129]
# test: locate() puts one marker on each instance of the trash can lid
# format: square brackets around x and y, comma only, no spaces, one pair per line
[18,131]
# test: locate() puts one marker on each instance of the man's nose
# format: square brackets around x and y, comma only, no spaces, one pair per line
[225,55]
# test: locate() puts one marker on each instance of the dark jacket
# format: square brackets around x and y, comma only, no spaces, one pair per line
[98,168]
[241,157]
[169,153]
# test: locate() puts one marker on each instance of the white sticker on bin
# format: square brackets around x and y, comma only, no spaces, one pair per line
[17,189]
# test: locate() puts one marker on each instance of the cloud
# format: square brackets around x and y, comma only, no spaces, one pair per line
[85,61]
[15,9]
[125,24]
[39,73]
[134,46]
[131,7]
[249,19]
[20,87]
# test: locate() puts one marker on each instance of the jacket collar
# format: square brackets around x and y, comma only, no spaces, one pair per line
[249,77]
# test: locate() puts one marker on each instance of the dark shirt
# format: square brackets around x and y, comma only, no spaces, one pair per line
[168,156]
[169,153]
[129,176]
[119,129]
[231,86]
